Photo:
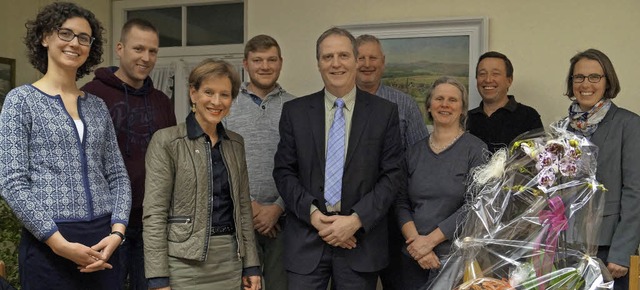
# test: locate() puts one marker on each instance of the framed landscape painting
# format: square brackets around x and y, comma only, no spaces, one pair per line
[417,53]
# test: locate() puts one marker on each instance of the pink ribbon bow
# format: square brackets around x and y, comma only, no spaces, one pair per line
[557,222]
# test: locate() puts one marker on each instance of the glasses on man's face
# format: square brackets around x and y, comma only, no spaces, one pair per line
[67,35]
[593,78]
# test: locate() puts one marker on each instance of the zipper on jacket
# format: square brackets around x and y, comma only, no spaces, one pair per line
[207,142]
[179,220]
[235,214]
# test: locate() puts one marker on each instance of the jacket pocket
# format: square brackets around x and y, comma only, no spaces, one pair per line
[180,228]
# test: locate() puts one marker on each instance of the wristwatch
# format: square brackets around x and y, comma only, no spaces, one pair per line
[119,234]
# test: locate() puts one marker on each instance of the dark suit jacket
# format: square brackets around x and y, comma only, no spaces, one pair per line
[618,141]
[369,186]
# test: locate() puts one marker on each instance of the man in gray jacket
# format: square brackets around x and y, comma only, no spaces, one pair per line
[255,115]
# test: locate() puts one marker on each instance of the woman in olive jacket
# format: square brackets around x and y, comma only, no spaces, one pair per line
[197,220]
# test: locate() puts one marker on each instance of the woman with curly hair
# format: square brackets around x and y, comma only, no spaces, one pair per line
[62,174]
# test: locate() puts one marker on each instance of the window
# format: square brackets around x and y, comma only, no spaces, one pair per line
[212,24]
[189,27]
[215,24]
[168,21]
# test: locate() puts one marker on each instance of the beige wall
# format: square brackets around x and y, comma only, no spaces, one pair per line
[539,37]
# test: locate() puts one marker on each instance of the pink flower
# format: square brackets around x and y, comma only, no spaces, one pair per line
[574,153]
[546,177]
[545,159]
[554,148]
[568,167]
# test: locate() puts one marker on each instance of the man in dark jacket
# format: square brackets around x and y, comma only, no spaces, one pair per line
[337,168]
[138,110]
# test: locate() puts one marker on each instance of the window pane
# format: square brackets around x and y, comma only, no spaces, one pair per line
[215,24]
[168,21]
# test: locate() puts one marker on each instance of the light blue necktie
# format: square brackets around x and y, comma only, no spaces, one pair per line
[335,157]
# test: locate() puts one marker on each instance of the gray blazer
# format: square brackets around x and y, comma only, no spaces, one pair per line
[618,141]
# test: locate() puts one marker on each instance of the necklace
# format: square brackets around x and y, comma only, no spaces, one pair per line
[438,149]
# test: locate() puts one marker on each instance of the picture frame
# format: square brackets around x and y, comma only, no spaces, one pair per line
[7,77]
[417,53]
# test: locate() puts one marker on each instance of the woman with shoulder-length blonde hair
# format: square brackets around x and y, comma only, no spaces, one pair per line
[197,220]
[431,206]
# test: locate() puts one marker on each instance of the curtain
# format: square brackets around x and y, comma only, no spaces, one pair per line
[163,77]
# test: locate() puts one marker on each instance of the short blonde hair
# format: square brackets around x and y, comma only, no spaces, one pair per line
[215,68]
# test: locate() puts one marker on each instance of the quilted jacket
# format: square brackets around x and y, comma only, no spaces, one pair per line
[177,204]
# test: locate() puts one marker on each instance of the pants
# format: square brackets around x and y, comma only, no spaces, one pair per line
[333,265]
[392,276]
[40,268]
[415,277]
[132,259]
[221,270]
[271,252]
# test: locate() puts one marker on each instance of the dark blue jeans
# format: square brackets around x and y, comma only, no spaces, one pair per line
[132,259]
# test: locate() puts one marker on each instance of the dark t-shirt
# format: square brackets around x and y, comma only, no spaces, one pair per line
[505,124]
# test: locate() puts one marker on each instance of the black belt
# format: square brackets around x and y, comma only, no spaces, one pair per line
[330,213]
[222,230]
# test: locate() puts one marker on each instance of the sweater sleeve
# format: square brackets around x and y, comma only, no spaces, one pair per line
[15,176]
[403,203]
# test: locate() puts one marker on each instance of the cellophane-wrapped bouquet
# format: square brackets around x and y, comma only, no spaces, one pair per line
[533,221]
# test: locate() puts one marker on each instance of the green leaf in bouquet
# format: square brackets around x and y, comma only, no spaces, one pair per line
[562,279]
[569,280]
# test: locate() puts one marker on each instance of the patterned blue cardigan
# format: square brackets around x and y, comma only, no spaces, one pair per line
[48,174]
